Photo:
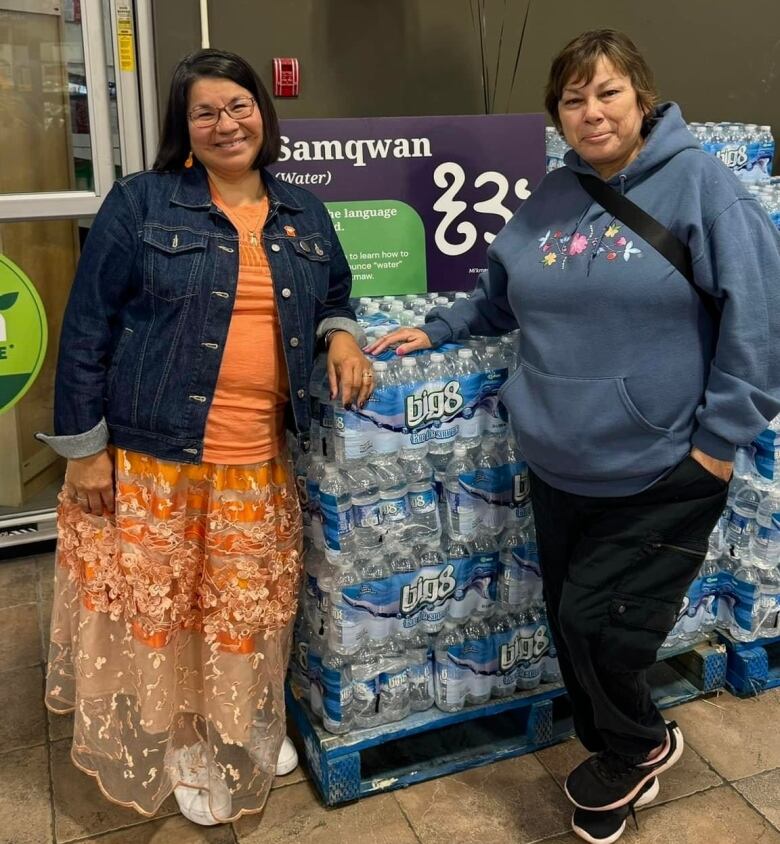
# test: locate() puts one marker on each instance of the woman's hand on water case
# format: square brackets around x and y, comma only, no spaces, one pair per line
[406,339]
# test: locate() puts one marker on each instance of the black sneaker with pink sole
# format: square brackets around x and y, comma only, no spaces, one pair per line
[607,781]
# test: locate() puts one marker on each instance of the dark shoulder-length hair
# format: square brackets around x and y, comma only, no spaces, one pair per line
[175,140]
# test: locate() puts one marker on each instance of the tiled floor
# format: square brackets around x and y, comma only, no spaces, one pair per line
[725,789]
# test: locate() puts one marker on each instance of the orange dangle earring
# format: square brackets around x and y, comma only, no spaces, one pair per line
[188,161]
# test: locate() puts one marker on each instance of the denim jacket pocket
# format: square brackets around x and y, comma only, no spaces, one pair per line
[312,256]
[172,261]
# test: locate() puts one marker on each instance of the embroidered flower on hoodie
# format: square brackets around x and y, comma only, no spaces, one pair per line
[557,246]
[579,243]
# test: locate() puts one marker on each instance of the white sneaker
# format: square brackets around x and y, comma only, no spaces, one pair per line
[288,758]
[200,797]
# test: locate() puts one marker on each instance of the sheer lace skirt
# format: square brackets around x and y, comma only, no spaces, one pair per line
[172,623]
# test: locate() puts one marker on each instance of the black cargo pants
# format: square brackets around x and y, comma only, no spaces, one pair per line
[615,572]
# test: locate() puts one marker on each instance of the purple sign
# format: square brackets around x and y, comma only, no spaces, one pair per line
[416,200]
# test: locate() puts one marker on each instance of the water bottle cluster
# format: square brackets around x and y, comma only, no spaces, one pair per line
[555,148]
[738,587]
[769,197]
[745,148]
[422,581]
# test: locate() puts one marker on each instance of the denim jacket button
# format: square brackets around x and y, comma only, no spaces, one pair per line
[301,394]
[286,293]
[294,342]
[275,247]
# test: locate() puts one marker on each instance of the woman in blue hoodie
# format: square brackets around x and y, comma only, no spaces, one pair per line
[630,398]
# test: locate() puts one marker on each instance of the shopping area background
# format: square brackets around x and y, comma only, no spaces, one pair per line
[422,582]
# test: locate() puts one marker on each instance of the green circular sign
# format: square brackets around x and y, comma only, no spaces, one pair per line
[23,334]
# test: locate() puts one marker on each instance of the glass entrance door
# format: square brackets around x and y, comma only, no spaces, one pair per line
[70,123]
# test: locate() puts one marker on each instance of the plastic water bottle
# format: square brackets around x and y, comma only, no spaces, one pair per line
[410,380]
[385,381]
[462,506]
[709,577]
[299,660]
[364,491]
[466,366]
[743,517]
[419,654]
[551,670]
[314,477]
[529,669]
[374,572]
[425,523]
[393,493]
[394,699]
[365,688]
[496,367]
[765,543]
[346,627]
[404,565]
[450,679]
[459,559]
[438,374]
[337,693]
[338,522]
[484,572]
[314,669]
[769,600]
[489,480]
[502,632]
[434,612]
[746,618]
[519,575]
[476,653]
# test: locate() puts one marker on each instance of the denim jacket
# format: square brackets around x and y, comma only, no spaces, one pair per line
[148,314]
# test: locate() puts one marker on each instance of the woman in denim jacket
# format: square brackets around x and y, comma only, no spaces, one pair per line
[203,292]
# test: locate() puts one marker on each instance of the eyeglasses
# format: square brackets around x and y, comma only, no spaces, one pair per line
[203,117]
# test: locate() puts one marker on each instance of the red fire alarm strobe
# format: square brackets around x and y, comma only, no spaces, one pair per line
[286,78]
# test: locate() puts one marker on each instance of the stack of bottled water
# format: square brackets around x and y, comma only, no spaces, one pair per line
[745,148]
[738,588]
[769,197]
[555,148]
[422,581]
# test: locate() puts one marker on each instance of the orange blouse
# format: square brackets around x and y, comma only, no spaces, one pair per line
[245,423]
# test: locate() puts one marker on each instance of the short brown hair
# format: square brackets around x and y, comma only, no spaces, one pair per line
[577,61]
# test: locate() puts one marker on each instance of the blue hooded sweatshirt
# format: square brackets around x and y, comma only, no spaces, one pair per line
[621,369]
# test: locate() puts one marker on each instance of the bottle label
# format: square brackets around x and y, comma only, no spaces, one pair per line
[451,682]
[347,626]
[490,487]
[395,509]
[410,415]
[463,511]
[337,694]
[365,692]
[476,585]
[367,515]
[423,501]
[338,523]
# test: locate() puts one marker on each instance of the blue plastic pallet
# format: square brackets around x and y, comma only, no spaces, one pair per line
[429,744]
[753,667]
[433,744]
[699,665]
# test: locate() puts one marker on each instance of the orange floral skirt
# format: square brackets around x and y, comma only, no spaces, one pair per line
[172,623]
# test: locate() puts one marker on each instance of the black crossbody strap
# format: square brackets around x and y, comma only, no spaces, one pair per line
[666,243]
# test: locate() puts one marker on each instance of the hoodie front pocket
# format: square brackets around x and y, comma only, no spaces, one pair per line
[584,428]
